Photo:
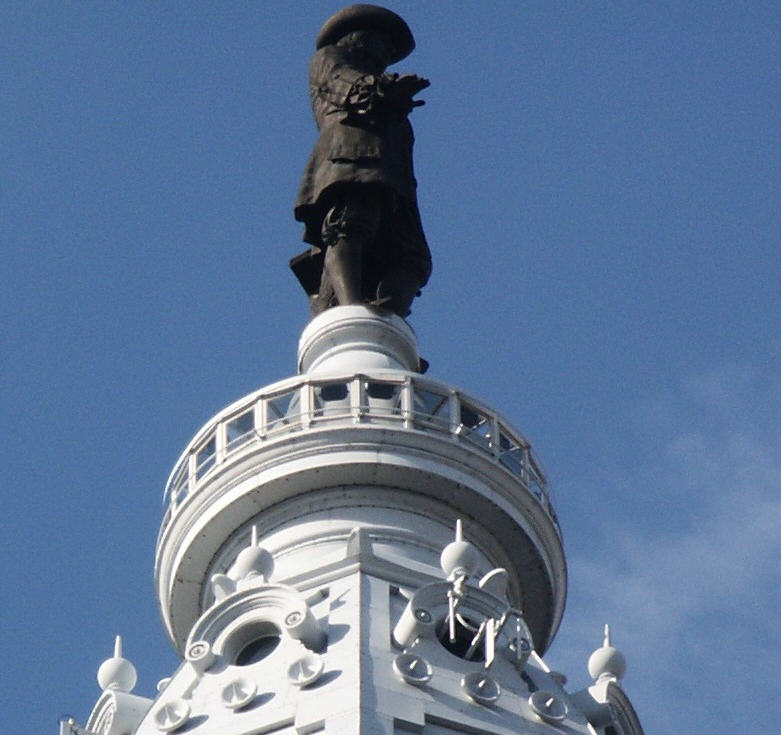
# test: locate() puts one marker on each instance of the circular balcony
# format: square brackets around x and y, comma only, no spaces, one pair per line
[407,402]
[388,429]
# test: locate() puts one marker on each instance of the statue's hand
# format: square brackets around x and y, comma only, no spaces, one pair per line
[401,90]
[411,84]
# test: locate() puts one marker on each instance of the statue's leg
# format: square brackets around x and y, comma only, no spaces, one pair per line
[398,288]
[348,229]
[343,270]
[324,298]
[407,260]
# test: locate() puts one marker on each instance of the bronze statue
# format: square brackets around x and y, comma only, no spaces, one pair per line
[357,198]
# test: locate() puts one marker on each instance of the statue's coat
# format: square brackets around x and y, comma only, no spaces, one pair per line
[355,146]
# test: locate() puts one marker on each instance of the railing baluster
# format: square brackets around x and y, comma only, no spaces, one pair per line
[357,399]
[407,403]
[454,405]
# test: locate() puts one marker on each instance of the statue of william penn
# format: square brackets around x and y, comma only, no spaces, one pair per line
[357,199]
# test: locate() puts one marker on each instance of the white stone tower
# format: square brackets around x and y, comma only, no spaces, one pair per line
[360,549]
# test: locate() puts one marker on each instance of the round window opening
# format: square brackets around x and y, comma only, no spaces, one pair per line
[255,644]
[466,644]
[257,649]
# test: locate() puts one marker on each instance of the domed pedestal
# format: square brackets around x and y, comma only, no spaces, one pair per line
[347,338]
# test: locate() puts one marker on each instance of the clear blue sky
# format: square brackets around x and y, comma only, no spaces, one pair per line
[599,183]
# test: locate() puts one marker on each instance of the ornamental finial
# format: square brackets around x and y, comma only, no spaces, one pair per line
[607,661]
[117,673]
[459,558]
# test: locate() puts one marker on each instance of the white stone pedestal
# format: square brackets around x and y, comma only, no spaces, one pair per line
[349,338]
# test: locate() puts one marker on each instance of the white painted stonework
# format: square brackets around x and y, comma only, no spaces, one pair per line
[360,549]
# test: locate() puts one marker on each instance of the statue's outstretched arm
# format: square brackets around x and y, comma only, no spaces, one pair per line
[378,95]
[362,94]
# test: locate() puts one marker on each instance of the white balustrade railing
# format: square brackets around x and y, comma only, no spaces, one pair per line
[409,402]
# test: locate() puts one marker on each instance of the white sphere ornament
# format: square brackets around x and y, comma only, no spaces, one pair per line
[117,673]
[459,557]
[253,559]
[607,660]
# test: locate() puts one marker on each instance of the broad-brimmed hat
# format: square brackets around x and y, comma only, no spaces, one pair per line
[364,17]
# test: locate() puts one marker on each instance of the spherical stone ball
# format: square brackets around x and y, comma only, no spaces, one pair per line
[459,556]
[607,661]
[252,559]
[117,674]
